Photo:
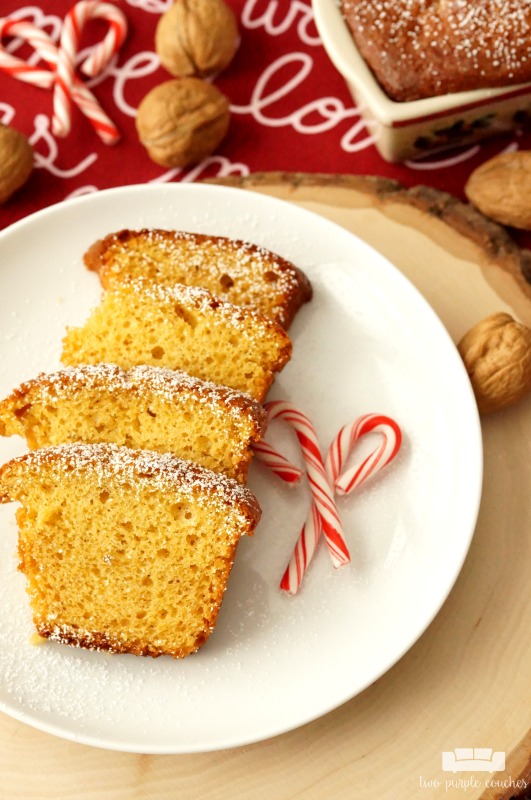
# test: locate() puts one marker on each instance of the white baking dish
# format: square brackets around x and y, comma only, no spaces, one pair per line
[414,129]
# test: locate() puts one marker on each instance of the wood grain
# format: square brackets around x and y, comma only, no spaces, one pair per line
[466,682]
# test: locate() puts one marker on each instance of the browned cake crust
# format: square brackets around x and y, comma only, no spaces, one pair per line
[240,272]
[427,48]
[94,640]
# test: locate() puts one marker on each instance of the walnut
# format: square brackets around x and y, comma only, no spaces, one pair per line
[501,188]
[180,122]
[497,356]
[196,37]
[16,161]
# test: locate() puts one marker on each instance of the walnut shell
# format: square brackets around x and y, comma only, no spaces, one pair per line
[180,122]
[501,189]
[497,356]
[196,37]
[16,161]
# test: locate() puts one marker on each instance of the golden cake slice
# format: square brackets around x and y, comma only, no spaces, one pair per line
[125,550]
[239,272]
[145,407]
[181,327]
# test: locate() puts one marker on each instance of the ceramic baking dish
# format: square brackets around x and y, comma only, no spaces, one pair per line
[414,129]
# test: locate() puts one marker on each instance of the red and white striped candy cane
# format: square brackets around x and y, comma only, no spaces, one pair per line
[40,41]
[114,38]
[90,107]
[322,492]
[67,86]
[311,532]
[346,481]
[303,553]
[276,462]
[61,63]
[342,482]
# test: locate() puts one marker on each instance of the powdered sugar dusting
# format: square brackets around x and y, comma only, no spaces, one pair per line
[205,303]
[115,466]
[230,254]
[215,256]
[145,381]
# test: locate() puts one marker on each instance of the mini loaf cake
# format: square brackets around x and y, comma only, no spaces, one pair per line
[423,48]
[145,407]
[236,271]
[185,328]
[125,550]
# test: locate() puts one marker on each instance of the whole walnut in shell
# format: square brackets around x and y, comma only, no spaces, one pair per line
[497,356]
[196,37]
[500,189]
[16,161]
[180,122]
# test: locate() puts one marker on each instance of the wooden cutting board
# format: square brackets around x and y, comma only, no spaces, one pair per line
[466,682]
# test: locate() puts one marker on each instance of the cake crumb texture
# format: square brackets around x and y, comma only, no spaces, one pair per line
[125,550]
[183,328]
[145,407]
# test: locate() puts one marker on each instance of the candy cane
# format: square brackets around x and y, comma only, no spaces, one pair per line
[342,446]
[111,44]
[89,106]
[61,63]
[276,462]
[342,482]
[67,86]
[322,493]
[43,45]
[303,553]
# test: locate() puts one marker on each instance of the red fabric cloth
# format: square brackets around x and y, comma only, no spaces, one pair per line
[291,110]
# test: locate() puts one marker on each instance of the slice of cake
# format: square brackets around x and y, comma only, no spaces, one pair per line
[145,407]
[185,328]
[125,550]
[236,271]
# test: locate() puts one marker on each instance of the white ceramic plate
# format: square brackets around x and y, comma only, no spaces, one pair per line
[367,342]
